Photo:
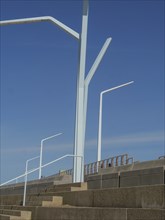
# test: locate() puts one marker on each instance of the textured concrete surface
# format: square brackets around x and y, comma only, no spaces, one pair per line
[35,186]
[135,166]
[145,214]
[96,213]
[80,214]
[149,176]
[56,201]
[115,201]
[14,214]
[131,197]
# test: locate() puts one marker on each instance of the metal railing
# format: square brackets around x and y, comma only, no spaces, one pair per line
[120,160]
[33,170]
[90,168]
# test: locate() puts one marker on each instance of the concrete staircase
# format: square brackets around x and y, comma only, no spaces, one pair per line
[134,194]
[9,214]
[132,203]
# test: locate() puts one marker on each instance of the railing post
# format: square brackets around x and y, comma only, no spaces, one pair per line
[112,161]
[25,186]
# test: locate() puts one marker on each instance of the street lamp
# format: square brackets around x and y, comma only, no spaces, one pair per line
[100,117]
[82,82]
[25,184]
[41,149]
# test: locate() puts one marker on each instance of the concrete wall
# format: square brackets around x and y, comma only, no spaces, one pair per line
[80,214]
[150,176]
[31,188]
[83,213]
[37,186]
[135,166]
[141,177]
[11,200]
[103,181]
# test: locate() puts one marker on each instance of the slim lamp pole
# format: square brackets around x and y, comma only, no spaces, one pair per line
[100,117]
[25,184]
[41,151]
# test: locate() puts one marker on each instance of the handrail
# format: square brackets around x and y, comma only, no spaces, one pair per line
[92,168]
[60,158]
[33,170]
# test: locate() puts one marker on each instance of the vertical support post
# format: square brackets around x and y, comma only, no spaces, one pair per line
[26,174]
[100,129]
[78,174]
[40,166]
[25,185]
[85,110]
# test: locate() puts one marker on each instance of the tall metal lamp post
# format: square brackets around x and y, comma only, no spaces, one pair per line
[41,150]
[82,82]
[100,117]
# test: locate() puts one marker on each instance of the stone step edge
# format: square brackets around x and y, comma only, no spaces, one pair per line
[19,213]
[56,201]
[11,217]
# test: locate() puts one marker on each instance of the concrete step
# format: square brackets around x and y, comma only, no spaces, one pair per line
[68,187]
[23,215]
[9,217]
[36,200]
[30,209]
[32,199]
[131,197]
[93,213]
[79,184]
[56,201]
[136,197]
[84,213]
[4,217]
[12,217]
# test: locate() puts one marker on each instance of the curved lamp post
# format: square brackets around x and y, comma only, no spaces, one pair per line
[82,82]
[100,116]
[41,150]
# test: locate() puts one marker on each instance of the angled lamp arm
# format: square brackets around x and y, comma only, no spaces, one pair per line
[91,74]
[97,61]
[40,19]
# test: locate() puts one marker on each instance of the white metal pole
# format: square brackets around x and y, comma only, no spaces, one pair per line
[40,165]
[41,151]
[25,184]
[100,117]
[78,175]
[100,129]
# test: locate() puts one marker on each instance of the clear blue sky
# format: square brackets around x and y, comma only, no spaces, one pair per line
[39,64]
